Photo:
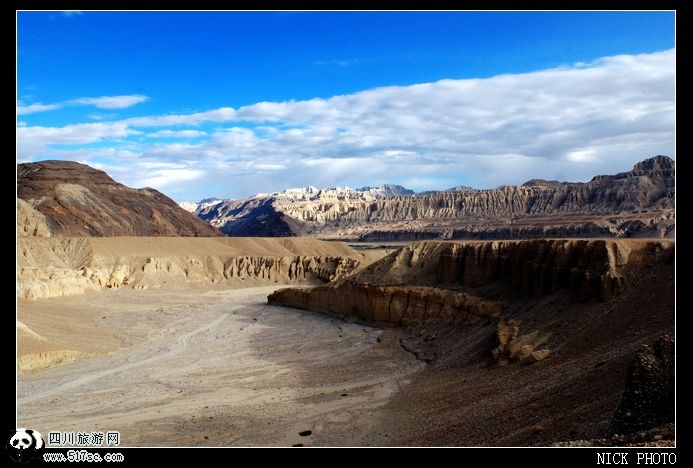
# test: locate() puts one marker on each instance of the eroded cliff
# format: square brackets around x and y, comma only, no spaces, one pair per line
[527,342]
[642,200]
[450,281]
[64,266]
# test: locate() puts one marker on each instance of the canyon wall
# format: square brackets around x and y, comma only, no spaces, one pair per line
[65,266]
[453,281]
[657,224]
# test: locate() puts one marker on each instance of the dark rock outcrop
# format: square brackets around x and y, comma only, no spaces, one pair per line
[648,399]
[254,217]
[77,200]
[399,305]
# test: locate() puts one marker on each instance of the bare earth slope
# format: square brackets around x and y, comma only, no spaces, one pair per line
[74,199]
[52,267]
[636,203]
[527,342]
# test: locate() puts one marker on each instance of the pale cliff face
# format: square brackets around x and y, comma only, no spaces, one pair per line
[68,266]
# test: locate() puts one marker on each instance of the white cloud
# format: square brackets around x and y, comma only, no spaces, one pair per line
[33,141]
[102,102]
[268,167]
[569,123]
[339,62]
[71,13]
[224,114]
[111,102]
[165,177]
[36,107]
[177,134]
[581,155]
[75,134]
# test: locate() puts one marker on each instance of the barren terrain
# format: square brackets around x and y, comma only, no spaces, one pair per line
[217,368]
[476,343]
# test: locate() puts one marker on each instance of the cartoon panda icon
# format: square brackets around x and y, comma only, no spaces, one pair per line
[25,444]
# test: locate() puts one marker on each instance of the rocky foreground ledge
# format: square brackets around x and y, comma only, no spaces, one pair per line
[432,282]
[533,342]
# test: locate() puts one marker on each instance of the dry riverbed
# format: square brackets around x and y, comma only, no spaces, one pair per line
[213,368]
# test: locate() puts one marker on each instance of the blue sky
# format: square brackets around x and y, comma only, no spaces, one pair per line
[202,104]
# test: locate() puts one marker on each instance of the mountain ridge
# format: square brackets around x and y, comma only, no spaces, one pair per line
[68,198]
[349,214]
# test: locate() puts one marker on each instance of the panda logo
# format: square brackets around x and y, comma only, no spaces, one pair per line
[25,444]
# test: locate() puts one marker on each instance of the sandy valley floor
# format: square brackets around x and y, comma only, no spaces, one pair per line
[213,368]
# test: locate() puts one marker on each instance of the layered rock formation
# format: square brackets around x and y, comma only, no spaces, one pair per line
[604,206]
[401,305]
[641,224]
[31,222]
[445,281]
[432,283]
[526,342]
[65,266]
[73,199]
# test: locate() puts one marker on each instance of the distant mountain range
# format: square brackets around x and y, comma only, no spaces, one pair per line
[314,193]
[62,198]
[392,212]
